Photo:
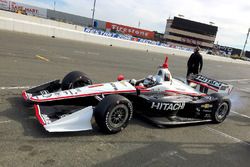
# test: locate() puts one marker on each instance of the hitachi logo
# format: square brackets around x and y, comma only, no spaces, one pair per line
[168,106]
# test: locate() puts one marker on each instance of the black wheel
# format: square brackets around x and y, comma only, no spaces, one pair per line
[221,113]
[113,113]
[75,79]
[223,108]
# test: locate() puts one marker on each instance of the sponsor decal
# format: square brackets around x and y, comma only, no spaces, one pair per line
[57,94]
[224,87]
[78,90]
[168,106]
[206,106]
[26,9]
[191,41]
[210,82]
[226,50]
[208,97]
[45,95]
[130,30]
[114,86]
[44,92]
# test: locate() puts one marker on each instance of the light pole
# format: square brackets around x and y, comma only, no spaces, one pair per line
[53,35]
[211,23]
[242,51]
[93,14]
[181,15]
[54,5]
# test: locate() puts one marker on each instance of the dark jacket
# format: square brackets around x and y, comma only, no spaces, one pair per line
[195,63]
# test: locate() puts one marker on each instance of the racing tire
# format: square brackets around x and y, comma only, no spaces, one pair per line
[75,79]
[113,113]
[223,109]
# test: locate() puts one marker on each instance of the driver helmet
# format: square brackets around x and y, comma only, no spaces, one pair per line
[149,80]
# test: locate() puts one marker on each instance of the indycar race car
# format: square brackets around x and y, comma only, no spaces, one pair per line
[73,103]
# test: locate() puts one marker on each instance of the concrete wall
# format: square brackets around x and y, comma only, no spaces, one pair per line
[33,25]
[74,19]
[28,24]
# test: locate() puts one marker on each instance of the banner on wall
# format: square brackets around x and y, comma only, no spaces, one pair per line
[129,30]
[4,4]
[29,10]
[23,8]
[122,36]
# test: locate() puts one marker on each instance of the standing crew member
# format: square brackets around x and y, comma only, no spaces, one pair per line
[195,63]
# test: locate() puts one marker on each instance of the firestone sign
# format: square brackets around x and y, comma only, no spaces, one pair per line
[130,30]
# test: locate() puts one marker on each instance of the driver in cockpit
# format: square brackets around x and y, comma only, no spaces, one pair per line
[149,81]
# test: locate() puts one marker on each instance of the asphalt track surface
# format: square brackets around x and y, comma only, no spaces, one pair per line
[27,60]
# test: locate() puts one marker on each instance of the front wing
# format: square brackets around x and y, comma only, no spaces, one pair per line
[56,119]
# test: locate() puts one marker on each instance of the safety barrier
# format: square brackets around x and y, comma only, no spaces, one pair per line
[39,26]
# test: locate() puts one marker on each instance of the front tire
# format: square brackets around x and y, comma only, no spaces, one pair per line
[113,113]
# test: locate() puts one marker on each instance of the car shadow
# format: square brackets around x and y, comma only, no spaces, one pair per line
[164,153]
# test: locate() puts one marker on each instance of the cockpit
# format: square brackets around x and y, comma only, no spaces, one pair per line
[162,75]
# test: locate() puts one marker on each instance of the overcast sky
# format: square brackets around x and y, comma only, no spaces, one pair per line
[231,16]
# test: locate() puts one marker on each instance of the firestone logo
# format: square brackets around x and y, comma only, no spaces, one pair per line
[130,30]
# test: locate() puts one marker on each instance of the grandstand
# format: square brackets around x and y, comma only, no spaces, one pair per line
[188,33]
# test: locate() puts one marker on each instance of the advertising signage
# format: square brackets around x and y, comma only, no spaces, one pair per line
[29,10]
[25,9]
[4,4]
[129,30]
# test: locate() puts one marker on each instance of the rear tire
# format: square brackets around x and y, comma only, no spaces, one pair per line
[113,113]
[221,113]
[75,79]
[223,109]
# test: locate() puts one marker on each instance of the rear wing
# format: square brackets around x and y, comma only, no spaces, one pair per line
[212,84]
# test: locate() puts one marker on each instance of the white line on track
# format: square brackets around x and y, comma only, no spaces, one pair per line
[226,135]
[234,80]
[63,57]
[3,122]
[243,115]
[14,87]
[244,89]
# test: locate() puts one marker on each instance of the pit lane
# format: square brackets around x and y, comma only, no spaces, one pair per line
[28,60]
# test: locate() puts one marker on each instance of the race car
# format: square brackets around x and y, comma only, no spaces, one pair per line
[76,104]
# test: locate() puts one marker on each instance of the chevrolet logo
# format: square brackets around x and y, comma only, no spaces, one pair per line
[206,106]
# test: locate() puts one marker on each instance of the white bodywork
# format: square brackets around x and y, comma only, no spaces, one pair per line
[78,121]
[91,90]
